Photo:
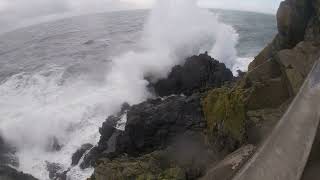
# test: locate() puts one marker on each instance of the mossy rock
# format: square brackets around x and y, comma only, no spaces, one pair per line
[172,174]
[154,166]
[224,110]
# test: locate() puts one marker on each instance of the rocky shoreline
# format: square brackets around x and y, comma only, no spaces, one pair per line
[205,114]
[205,123]
[8,161]
[183,135]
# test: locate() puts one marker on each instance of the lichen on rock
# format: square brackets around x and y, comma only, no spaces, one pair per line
[225,113]
[158,165]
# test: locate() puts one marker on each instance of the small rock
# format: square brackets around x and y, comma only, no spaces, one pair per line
[79,153]
[89,42]
[56,171]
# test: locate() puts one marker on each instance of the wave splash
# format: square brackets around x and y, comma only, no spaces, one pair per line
[45,105]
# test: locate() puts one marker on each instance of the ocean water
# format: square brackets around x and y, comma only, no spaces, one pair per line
[60,80]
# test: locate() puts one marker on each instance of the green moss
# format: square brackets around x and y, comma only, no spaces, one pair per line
[224,110]
[154,166]
[172,174]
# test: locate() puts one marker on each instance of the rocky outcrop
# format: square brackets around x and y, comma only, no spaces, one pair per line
[293,53]
[297,21]
[209,111]
[198,72]
[8,160]
[172,137]
[292,19]
[185,160]
[7,152]
[278,72]
[297,63]
[79,153]
[56,171]
[9,173]
[224,110]
[151,125]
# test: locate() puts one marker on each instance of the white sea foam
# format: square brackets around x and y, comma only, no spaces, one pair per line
[40,106]
[242,64]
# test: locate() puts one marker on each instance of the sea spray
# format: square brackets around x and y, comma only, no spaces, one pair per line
[39,106]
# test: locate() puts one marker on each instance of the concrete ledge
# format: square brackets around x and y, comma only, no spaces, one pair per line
[284,154]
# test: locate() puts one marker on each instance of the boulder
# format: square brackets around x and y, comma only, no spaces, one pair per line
[106,144]
[9,173]
[297,63]
[313,30]
[56,171]
[184,160]
[79,153]
[7,154]
[153,124]
[198,72]
[90,158]
[292,19]
[145,167]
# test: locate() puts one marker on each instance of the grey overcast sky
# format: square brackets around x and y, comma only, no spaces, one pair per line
[15,12]
[51,6]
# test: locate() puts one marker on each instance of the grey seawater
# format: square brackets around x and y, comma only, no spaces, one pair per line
[255,30]
[87,42]
[80,43]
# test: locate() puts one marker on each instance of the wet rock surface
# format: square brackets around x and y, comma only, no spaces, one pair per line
[7,152]
[151,125]
[8,160]
[76,157]
[9,173]
[198,72]
[56,171]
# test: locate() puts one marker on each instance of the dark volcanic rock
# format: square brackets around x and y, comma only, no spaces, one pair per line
[153,124]
[56,171]
[8,173]
[79,153]
[7,152]
[198,72]
[106,144]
